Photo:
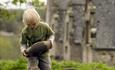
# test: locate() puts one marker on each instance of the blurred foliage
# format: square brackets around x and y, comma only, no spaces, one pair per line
[21,64]
[6,15]
[21,1]
[38,3]
[10,20]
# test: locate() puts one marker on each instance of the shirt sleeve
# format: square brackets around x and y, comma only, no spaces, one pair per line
[50,34]
[23,39]
[49,31]
[23,42]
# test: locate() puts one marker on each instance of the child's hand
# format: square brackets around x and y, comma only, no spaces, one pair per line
[24,53]
[23,50]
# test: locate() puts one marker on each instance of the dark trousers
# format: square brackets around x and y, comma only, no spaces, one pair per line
[42,62]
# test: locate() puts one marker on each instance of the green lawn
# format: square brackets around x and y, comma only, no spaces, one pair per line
[21,64]
[9,47]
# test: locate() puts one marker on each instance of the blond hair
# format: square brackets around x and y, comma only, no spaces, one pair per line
[31,16]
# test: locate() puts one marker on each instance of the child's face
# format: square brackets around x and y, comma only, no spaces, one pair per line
[31,25]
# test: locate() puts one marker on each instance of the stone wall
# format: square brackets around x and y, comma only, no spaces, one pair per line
[104,56]
[77,30]
[104,21]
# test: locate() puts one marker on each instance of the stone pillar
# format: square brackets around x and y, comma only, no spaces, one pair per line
[56,9]
[67,30]
[88,41]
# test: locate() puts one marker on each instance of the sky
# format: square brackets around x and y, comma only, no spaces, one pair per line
[5,0]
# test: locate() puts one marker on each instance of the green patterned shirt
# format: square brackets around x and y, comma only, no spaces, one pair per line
[41,33]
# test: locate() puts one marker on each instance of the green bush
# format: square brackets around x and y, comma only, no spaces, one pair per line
[21,64]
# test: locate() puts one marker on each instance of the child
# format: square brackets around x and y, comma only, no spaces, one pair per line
[36,31]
